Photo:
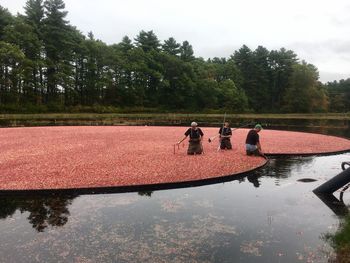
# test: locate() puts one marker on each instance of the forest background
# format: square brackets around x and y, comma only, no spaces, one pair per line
[48,65]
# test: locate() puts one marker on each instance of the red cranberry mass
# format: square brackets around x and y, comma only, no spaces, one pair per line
[89,157]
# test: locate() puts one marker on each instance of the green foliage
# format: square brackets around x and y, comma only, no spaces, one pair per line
[11,70]
[148,41]
[186,51]
[304,94]
[265,76]
[48,65]
[126,44]
[339,95]
[231,98]
[171,47]
[5,20]
[34,11]
[341,240]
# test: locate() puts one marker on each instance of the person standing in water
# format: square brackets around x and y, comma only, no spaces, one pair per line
[225,137]
[195,143]
[253,146]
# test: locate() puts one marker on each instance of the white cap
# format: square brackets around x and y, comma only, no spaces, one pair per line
[194,124]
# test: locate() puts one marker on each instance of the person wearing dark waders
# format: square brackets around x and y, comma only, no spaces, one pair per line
[253,146]
[195,143]
[225,137]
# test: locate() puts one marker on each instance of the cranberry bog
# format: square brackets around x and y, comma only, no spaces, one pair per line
[267,215]
[44,158]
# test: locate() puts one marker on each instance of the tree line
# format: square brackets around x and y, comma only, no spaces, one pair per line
[48,65]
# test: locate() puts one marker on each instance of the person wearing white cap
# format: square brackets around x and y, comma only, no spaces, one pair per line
[195,142]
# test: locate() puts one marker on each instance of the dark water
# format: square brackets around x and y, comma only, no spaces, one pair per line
[268,216]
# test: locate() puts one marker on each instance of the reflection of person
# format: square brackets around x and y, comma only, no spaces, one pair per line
[225,137]
[195,142]
[253,178]
[253,146]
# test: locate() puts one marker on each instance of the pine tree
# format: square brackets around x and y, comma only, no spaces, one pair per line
[57,48]
[147,41]
[5,19]
[186,51]
[171,47]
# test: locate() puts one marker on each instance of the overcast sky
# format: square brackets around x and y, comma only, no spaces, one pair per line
[317,30]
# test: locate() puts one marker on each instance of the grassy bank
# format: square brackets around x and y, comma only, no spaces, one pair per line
[55,119]
[95,116]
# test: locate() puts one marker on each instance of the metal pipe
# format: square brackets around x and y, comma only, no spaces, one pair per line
[335,183]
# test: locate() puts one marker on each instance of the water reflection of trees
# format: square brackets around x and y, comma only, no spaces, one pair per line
[145,193]
[43,211]
[325,126]
[278,168]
